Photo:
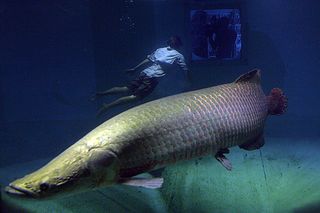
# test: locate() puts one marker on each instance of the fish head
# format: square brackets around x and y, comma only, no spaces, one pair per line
[67,175]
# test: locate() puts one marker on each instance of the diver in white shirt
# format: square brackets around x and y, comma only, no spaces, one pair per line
[147,80]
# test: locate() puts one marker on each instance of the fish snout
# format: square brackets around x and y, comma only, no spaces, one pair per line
[19,191]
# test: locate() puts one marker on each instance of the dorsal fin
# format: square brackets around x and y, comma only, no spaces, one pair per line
[253,77]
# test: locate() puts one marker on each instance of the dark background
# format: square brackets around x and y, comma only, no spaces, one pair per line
[55,54]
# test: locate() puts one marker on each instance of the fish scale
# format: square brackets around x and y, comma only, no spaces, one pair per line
[194,124]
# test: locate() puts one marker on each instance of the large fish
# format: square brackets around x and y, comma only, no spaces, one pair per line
[154,134]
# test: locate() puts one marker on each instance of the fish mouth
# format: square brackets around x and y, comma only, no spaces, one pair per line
[17,191]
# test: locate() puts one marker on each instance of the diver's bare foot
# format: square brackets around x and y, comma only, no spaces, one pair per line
[93,97]
[130,71]
[102,109]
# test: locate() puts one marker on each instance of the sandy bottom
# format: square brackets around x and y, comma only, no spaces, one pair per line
[284,176]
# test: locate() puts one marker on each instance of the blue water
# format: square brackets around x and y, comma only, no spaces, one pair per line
[54,55]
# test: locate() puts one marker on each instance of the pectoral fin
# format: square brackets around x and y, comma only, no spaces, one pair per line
[150,183]
[223,159]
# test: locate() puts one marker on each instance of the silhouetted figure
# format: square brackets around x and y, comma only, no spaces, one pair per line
[224,39]
[198,33]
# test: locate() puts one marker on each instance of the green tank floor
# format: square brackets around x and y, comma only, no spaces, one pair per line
[283,177]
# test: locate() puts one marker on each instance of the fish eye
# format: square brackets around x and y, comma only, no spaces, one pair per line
[44,186]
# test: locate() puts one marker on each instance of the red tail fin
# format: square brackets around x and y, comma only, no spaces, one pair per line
[278,102]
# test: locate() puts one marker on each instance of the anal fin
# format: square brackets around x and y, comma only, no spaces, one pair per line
[253,144]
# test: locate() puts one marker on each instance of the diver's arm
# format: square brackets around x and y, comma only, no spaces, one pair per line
[188,80]
[142,63]
[183,66]
[188,76]
[145,61]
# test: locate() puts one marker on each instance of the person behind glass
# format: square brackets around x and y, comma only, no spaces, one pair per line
[225,37]
[148,78]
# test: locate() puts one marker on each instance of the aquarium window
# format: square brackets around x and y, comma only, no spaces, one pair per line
[215,34]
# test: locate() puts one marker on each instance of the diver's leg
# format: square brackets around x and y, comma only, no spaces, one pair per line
[113,90]
[119,101]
